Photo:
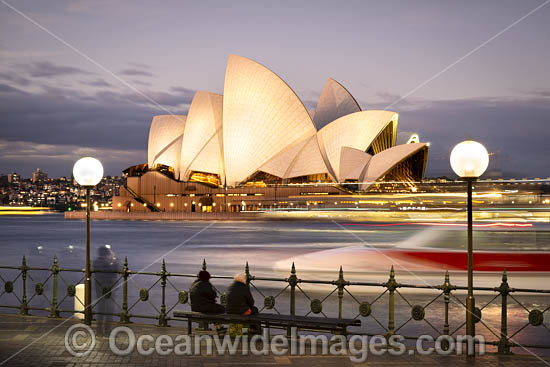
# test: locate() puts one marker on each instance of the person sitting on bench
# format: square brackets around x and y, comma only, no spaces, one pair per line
[239,298]
[203,296]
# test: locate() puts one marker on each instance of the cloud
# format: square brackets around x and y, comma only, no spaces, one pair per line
[177,98]
[57,160]
[59,116]
[99,82]
[141,82]
[135,72]
[107,118]
[183,93]
[50,128]
[15,79]
[46,69]
[173,99]
[27,54]
[139,65]
[310,104]
[393,102]
[4,88]
[544,93]
[181,90]
[516,130]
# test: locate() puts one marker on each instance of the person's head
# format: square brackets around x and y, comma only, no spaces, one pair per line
[241,278]
[203,275]
[104,251]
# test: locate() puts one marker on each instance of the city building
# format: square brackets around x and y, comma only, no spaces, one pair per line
[59,194]
[39,176]
[13,178]
[258,139]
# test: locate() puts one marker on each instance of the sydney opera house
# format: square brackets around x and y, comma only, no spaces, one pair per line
[257,146]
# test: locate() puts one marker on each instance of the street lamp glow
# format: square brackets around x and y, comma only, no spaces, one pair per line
[88,171]
[469,159]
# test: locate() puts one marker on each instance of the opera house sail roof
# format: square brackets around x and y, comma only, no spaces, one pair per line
[260,132]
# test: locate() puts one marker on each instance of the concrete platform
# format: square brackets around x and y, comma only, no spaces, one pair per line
[40,341]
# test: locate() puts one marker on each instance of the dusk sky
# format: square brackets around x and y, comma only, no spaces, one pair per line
[73,74]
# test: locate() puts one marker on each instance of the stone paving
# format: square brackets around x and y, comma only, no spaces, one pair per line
[40,341]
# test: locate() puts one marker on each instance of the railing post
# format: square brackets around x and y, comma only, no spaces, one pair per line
[23,309]
[124,316]
[247,273]
[391,285]
[292,281]
[504,289]
[54,312]
[340,283]
[163,275]
[447,298]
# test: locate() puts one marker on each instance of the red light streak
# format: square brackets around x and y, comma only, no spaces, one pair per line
[487,225]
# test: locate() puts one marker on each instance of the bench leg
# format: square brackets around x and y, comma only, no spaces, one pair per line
[289,331]
[189,327]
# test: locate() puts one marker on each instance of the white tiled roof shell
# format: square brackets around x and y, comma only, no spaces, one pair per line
[301,159]
[165,139]
[309,161]
[202,148]
[262,116]
[279,164]
[357,130]
[335,101]
[383,162]
[352,163]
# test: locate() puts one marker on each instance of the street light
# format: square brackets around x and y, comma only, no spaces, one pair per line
[469,160]
[88,172]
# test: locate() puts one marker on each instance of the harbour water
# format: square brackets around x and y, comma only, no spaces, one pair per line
[227,245]
[317,248]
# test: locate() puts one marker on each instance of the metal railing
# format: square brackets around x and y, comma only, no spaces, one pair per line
[173,295]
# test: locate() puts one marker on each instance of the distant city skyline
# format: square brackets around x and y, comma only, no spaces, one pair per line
[58,104]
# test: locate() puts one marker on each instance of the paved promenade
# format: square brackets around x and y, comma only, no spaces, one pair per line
[40,341]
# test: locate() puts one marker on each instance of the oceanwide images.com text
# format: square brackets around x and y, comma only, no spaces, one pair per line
[80,341]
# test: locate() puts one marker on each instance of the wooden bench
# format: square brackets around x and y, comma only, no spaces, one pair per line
[267,320]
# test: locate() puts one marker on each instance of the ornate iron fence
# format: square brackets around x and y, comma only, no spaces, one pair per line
[173,293]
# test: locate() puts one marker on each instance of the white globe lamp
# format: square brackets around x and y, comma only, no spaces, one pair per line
[88,171]
[469,159]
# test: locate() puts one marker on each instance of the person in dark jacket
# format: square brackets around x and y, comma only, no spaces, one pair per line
[239,298]
[203,296]
[107,265]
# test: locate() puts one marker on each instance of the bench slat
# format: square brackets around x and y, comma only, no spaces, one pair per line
[270,318]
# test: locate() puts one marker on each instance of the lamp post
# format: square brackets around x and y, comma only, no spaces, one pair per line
[88,172]
[469,160]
